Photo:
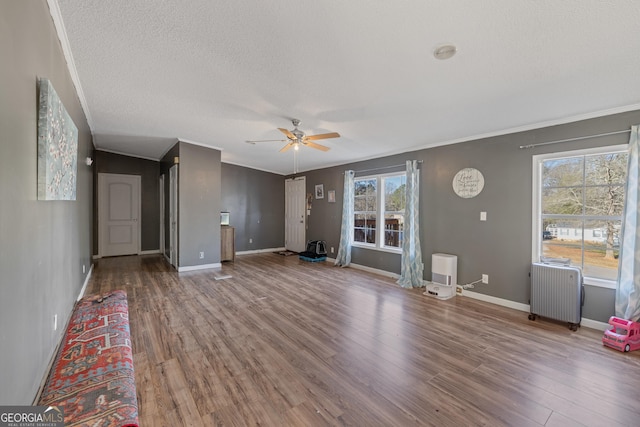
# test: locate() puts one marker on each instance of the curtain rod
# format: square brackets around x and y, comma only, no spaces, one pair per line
[575,139]
[383,167]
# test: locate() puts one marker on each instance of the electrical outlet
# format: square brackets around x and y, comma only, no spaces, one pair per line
[485,278]
[331,249]
[83,269]
[55,322]
[201,255]
[250,240]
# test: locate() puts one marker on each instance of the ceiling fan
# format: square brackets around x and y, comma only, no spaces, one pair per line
[296,138]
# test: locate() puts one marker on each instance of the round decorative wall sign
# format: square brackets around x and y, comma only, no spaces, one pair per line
[468,183]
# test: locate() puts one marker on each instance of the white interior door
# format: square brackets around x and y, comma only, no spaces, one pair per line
[295,215]
[118,214]
[173,215]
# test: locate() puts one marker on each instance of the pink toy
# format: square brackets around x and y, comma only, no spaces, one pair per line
[624,335]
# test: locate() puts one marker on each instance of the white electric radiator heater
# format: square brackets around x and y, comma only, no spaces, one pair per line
[444,276]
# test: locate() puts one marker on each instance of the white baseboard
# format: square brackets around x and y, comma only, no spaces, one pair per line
[369,269]
[366,268]
[151,252]
[199,267]
[86,282]
[372,270]
[594,324]
[588,323]
[260,251]
[495,300]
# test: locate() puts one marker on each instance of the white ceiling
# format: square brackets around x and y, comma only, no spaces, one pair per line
[217,73]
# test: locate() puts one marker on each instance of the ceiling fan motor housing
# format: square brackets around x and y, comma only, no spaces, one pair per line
[297,132]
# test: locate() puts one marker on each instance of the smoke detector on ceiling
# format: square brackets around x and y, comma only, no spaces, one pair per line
[444,51]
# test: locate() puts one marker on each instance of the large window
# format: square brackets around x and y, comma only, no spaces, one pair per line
[578,204]
[379,200]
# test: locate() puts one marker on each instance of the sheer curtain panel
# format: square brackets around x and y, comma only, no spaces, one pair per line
[628,290]
[343,258]
[411,266]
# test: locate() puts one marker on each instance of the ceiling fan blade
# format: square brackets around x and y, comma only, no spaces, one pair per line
[322,136]
[288,133]
[286,147]
[316,146]
[250,141]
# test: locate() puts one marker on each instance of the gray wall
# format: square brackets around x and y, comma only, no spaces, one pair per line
[499,247]
[255,200]
[199,175]
[43,244]
[149,172]
[325,219]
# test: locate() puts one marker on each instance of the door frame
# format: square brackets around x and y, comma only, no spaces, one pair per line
[173,216]
[101,209]
[161,197]
[302,198]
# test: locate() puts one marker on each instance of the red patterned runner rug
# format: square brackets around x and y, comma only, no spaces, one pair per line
[92,376]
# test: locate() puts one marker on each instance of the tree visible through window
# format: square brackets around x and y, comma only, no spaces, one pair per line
[394,204]
[381,196]
[580,212]
[365,210]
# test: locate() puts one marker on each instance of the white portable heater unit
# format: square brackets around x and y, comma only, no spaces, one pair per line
[444,276]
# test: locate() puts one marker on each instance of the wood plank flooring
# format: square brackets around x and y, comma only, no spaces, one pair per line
[289,343]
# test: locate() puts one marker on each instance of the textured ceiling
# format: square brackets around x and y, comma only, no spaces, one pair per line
[218,73]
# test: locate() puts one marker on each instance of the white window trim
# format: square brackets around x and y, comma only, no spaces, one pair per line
[379,215]
[537,201]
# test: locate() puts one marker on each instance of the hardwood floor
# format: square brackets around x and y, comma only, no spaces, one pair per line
[285,342]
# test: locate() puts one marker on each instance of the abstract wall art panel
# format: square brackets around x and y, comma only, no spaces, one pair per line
[57,147]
